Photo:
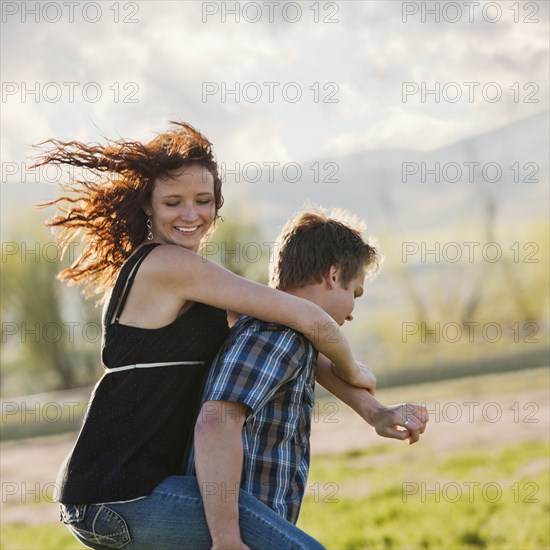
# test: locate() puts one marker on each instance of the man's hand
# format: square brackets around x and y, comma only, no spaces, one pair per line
[411,417]
[229,544]
[385,420]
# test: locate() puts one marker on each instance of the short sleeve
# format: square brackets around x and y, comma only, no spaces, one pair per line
[254,366]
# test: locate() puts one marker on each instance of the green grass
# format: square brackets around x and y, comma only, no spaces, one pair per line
[37,537]
[357,499]
[471,499]
[507,461]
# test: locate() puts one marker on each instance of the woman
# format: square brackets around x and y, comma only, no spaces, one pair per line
[164,319]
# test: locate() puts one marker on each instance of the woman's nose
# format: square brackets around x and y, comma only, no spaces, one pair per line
[188,212]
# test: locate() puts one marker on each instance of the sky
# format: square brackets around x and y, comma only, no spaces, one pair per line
[310,80]
[293,82]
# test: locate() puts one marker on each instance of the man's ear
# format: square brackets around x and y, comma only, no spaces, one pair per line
[332,275]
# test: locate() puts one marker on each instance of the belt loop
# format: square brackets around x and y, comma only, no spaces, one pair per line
[81,511]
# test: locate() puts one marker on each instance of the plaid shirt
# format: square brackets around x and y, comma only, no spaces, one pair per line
[271,369]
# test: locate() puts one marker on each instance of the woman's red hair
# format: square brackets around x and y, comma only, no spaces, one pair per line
[107,215]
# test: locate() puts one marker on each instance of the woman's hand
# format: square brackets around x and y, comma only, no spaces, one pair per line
[362,378]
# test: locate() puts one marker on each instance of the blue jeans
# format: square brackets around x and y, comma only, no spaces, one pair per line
[172,517]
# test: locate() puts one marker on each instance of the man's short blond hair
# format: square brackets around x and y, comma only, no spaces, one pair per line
[316,239]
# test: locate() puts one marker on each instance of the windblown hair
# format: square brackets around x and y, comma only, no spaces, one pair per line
[315,240]
[107,214]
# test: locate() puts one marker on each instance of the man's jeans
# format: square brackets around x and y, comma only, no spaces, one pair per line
[172,517]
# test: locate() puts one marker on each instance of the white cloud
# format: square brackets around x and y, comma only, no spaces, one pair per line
[170,53]
[401,129]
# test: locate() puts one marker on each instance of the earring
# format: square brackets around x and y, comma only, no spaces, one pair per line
[149,225]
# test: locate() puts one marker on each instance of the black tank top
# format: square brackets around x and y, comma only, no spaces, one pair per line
[140,421]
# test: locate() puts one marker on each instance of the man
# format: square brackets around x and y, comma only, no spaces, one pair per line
[254,426]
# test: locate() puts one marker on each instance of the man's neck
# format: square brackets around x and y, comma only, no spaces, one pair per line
[309,292]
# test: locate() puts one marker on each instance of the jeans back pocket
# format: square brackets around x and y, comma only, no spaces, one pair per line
[96,524]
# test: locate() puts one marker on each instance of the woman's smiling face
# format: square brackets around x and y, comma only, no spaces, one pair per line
[182,207]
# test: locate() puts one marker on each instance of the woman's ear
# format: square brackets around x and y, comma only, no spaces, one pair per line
[147,209]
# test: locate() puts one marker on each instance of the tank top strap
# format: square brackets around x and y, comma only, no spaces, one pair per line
[124,283]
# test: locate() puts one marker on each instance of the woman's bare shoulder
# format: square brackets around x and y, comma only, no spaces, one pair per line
[170,269]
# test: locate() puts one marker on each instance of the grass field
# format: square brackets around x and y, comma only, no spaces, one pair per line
[472,499]
[479,478]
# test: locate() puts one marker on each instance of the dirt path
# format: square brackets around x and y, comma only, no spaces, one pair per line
[28,468]
[465,421]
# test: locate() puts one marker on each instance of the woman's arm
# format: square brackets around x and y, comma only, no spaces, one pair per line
[179,273]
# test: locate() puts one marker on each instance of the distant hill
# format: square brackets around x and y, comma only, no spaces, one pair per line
[381,186]
[399,206]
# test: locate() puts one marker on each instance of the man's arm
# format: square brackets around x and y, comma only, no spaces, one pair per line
[385,420]
[239,382]
[218,464]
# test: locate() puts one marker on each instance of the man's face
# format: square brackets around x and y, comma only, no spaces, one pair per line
[340,300]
